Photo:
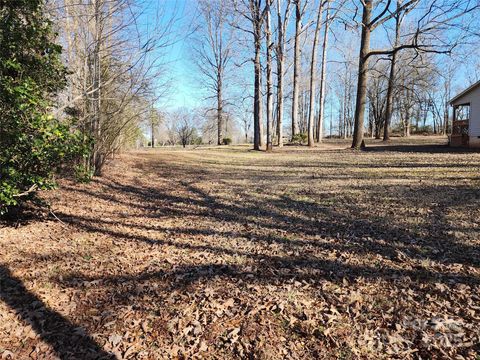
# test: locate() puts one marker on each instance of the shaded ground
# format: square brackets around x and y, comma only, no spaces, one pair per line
[228,253]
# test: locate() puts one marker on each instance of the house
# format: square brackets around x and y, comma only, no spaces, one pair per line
[466,117]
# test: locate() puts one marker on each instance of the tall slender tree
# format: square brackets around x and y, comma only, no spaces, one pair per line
[253,11]
[282,24]
[313,72]
[300,7]
[269,46]
[391,77]
[323,75]
[213,53]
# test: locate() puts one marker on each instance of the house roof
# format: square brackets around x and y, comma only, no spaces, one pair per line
[464,92]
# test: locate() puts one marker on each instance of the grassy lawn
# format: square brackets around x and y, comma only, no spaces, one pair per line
[230,253]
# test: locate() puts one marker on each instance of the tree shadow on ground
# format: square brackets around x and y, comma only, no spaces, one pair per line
[355,235]
[323,237]
[329,245]
[68,340]
[415,148]
[363,233]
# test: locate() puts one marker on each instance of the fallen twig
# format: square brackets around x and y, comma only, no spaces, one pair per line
[32,188]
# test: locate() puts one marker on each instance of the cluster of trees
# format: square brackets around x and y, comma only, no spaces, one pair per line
[184,126]
[116,71]
[77,80]
[80,80]
[387,62]
[173,128]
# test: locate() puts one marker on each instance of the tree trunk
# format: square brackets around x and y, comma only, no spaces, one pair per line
[425,115]
[362,76]
[371,120]
[445,121]
[344,110]
[97,157]
[391,81]
[389,105]
[257,105]
[269,81]
[407,122]
[313,68]
[296,67]
[280,98]
[323,78]
[417,117]
[447,97]
[153,134]
[280,62]
[219,109]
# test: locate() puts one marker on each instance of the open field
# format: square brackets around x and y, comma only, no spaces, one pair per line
[229,253]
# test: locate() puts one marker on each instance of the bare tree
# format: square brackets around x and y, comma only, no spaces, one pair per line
[117,71]
[154,119]
[213,53]
[376,96]
[253,11]
[246,124]
[313,71]
[184,122]
[406,106]
[282,24]
[345,87]
[269,45]
[323,75]
[391,79]
[299,12]
[415,87]
[447,76]
[433,17]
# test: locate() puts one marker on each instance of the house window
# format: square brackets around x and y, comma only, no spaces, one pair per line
[460,120]
[462,112]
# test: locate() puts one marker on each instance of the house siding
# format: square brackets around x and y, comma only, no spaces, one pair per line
[472,97]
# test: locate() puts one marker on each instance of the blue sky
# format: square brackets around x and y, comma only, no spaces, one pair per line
[180,69]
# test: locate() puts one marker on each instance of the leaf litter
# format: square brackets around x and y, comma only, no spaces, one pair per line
[226,253]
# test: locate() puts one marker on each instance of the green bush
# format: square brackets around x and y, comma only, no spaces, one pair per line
[424,130]
[33,144]
[227,141]
[299,139]
[83,173]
